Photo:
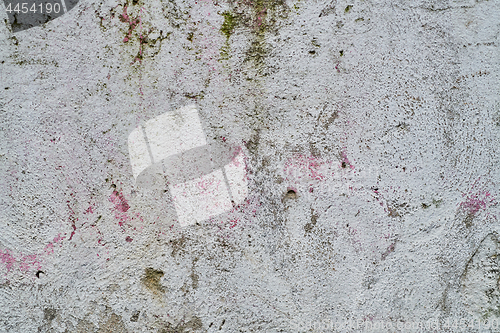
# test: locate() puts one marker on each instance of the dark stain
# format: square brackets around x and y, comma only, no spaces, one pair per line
[330,9]
[49,314]
[135,316]
[151,280]
[369,282]
[392,212]
[468,220]
[195,324]
[178,245]
[310,225]
[230,22]
[114,324]
[222,324]
[259,17]
[84,327]
[348,8]
[195,278]
[253,144]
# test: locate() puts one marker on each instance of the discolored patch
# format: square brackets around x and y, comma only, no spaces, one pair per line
[229,24]
[481,278]
[113,324]
[193,325]
[310,226]
[178,245]
[135,316]
[49,314]
[151,280]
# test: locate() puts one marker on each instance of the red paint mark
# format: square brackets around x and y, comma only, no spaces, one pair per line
[122,207]
[235,222]
[132,23]
[89,210]
[120,202]
[58,238]
[345,161]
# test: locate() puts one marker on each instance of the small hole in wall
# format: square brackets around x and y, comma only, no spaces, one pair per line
[344,165]
[291,194]
[312,52]
[38,273]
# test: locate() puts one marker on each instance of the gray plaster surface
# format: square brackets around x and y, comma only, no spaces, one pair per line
[370,132]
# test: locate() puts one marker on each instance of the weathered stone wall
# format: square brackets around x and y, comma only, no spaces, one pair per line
[370,131]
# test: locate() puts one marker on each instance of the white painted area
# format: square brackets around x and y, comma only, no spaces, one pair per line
[237,178]
[201,198]
[174,132]
[138,151]
[198,199]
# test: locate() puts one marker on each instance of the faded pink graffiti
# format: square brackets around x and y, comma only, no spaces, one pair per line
[121,207]
[26,263]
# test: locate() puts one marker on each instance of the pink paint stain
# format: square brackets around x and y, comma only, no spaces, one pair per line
[476,202]
[26,263]
[121,209]
[345,161]
[49,248]
[306,168]
[7,258]
[119,201]
[132,22]
[89,210]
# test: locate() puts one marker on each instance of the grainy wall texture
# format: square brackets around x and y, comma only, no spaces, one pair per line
[368,136]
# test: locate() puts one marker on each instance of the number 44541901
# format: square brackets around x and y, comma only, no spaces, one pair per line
[23,8]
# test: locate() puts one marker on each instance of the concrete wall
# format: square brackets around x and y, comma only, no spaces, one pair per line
[370,134]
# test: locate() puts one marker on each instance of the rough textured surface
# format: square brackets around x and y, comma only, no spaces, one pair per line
[372,134]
